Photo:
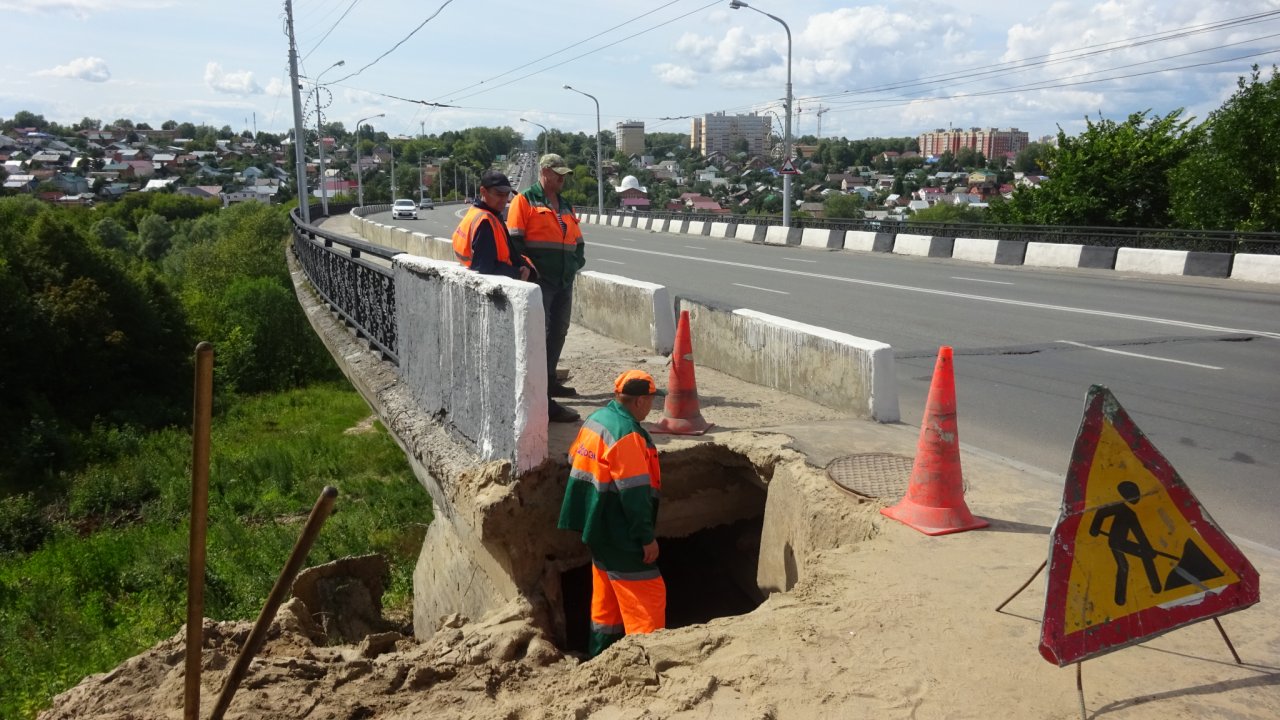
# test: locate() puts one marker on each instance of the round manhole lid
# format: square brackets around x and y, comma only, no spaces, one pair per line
[873,475]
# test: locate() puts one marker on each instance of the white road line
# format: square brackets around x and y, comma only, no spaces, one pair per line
[695,247]
[615,262]
[753,287]
[993,282]
[1137,355]
[965,296]
[800,260]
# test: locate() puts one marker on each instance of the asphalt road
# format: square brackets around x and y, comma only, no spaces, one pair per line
[1193,361]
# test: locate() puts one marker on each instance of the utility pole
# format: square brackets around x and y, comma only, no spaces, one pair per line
[299,153]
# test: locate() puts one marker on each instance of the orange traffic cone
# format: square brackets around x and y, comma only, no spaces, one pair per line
[681,413]
[934,503]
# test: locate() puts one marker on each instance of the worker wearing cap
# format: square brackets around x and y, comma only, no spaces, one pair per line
[543,226]
[612,499]
[481,242]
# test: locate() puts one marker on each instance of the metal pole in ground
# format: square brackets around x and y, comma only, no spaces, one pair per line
[202,410]
[319,513]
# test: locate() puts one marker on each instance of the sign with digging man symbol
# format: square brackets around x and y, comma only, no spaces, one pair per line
[1133,554]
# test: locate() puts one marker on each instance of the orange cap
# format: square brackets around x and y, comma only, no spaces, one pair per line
[637,383]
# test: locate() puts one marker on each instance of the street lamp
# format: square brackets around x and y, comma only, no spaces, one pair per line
[545,133]
[324,182]
[786,138]
[599,166]
[360,175]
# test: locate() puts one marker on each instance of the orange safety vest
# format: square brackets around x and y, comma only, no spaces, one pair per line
[466,232]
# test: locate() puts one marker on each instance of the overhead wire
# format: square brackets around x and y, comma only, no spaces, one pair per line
[402,41]
[331,29]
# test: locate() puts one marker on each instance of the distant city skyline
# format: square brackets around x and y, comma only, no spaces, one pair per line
[875,70]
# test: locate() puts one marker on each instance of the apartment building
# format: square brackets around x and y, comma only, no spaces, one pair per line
[631,137]
[721,133]
[990,142]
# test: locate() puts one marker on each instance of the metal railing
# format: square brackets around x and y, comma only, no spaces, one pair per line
[1222,241]
[362,293]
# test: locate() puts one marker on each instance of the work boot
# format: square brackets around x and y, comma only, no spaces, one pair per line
[559,413]
[559,389]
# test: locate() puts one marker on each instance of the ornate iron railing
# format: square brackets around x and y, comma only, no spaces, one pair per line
[361,292]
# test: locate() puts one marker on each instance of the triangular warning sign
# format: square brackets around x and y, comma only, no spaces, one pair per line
[1133,553]
[788,168]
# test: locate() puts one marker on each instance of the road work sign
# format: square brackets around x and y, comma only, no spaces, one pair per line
[1133,554]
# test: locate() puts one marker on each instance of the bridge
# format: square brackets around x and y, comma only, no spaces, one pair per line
[400,317]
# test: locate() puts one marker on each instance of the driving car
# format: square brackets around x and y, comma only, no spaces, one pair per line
[404,209]
[427,204]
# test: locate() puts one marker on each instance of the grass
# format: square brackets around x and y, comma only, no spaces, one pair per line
[110,581]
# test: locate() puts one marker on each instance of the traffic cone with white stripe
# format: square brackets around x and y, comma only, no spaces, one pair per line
[681,413]
[934,503]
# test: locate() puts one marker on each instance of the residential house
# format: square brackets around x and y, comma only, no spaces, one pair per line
[632,194]
[22,182]
[200,191]
[141,168]
[160,184]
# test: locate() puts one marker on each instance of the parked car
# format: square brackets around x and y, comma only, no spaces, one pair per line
[404,209]
[426,204]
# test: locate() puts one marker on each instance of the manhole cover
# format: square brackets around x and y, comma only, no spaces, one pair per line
[875,475]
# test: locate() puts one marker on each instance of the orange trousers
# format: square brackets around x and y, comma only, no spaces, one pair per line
[627,603]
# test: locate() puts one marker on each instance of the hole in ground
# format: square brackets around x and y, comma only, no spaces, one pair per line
[709,574]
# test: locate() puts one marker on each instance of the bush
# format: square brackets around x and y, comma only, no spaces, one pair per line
[23,526]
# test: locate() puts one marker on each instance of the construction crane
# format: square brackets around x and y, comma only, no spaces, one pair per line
[820,112]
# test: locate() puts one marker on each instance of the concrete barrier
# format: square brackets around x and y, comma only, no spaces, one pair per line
[1054,255]
[997,252]
[1207,264]
[633,311]
[867,241]
[748,232]
[816,237]
[776,235]
[828,367]
[1150,261]
[922,245]
[1256,268]
[472,352]
[719,229]
[695,227]
[648,222]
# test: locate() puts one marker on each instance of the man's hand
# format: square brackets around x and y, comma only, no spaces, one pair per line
[651,552]
[524,273]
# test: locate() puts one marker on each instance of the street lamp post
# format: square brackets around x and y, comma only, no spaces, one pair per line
[360,175]
[545,133]
[324,182]
[786,138]
[599,165]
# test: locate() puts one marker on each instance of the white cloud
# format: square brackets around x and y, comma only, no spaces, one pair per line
[276,87]
[675,75]
[80,9]
[236,83]
[92,69]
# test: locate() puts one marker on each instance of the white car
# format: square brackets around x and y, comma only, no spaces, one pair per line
[404,209]
[427,204]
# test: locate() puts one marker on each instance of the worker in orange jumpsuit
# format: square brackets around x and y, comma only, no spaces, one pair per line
[612,499]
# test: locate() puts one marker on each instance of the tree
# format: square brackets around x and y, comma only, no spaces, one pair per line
[949,212]
[1113,174]
[843,206]
[1031,160]
[1229,181]
[154,236]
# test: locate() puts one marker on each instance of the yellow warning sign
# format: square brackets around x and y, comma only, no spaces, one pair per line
[1133,553]
[1134,550]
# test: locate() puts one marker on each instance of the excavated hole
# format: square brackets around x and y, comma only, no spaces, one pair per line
[708,560]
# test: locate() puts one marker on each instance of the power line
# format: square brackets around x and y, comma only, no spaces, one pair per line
[402,41]
[331,29]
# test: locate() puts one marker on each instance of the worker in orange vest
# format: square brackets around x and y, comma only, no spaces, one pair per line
[481,241]
[612,499]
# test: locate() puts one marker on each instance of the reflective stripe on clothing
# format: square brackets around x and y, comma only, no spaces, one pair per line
[551,237]
[465,233]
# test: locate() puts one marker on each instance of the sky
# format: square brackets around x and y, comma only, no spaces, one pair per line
[860,68]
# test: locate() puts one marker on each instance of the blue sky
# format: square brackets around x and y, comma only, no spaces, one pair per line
[226,63]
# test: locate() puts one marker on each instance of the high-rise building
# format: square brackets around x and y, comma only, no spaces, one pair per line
[631,137]
[992,143]
[723,133]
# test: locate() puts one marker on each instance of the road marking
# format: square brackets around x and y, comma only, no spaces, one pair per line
[964,296]
[615,262]
[1138,355]
[993,282]
[753,287]
[800,260]
[695,247]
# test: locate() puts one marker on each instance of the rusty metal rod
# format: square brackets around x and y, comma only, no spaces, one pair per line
[1226,639]
[1017,592]
[1084,714]
[319,513]
[201,414]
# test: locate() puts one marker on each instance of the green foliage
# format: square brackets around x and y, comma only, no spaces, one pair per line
[1230,182]
[80,605]
[843,206]
[1113,174]
[949,213]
